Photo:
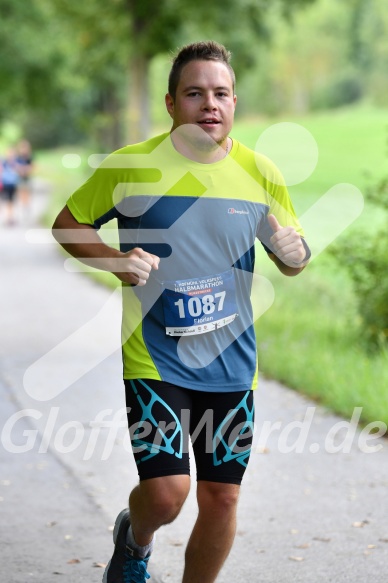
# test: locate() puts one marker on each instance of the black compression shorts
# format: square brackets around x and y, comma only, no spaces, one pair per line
[161,417]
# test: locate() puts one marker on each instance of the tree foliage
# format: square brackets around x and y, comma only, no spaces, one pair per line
[330,54]
[86,65]
[26,65]
[74,68]
[94,57]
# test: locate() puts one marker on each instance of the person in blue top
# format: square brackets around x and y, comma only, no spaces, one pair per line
[25,165]
[189,205]
[9,178]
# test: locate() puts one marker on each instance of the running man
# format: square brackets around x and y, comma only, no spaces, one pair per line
[189,205]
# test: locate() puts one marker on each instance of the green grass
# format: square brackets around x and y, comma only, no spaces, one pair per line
[352,145]
[309,339]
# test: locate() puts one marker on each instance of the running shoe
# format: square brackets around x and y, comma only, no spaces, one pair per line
[125,565]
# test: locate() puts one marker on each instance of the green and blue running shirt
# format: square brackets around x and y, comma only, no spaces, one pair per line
[191,324]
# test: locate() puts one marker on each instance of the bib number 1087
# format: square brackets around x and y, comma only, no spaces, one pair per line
[205,305]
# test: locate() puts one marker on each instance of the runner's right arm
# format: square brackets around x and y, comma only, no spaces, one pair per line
[83,242]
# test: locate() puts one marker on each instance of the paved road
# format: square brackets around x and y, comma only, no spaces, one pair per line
[314,515]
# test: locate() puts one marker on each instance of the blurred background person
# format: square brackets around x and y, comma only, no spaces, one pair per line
[9,178]
[24,161]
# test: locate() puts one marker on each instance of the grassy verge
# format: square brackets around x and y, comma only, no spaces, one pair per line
[309,338]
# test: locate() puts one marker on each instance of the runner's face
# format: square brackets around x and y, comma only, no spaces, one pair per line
[204,97]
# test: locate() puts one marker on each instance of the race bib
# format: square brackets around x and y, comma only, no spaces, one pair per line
[199,305]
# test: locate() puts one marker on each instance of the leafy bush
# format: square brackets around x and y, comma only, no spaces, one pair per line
[366,260]
[344,89]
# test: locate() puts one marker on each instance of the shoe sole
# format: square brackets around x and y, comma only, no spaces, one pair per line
[124,513]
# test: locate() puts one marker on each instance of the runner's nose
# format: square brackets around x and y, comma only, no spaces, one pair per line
[209,102]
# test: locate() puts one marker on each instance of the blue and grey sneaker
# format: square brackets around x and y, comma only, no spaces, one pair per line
[125,566]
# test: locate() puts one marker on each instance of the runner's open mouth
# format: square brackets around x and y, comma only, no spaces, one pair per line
[209,122]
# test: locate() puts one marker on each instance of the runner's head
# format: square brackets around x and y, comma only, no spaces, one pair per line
[200,51]
[201,99]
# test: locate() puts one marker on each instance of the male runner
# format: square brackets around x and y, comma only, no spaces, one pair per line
[189,205]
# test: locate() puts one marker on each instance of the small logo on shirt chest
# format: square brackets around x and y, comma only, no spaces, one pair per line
[233,211]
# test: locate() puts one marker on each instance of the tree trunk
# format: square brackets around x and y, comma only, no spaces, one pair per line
[111,130]
[138,118]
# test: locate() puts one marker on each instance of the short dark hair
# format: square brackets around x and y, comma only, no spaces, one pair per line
[200,51]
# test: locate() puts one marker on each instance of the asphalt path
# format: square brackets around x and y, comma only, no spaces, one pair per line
[314,501]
